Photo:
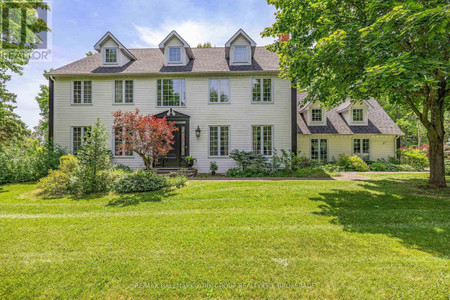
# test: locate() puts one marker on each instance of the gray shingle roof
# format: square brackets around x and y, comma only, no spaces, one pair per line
[151,60]
[379,121]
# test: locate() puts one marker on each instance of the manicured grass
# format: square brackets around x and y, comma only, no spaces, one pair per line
[383,238]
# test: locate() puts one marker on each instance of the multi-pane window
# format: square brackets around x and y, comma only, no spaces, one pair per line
[174,54]
[82,92]
[219,90]
[119,149]
[110,55]
[240,54]
[316,115]
[358,115]
[171,92]
[79,135]
[123,91]
[219,141]
[262,90]
[319,151]
[262,140]
[361,148]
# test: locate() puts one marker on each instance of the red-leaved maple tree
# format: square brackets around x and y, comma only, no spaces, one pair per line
[150,137]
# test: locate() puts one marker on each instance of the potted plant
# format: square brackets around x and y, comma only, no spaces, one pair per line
[213,167]
[189,161]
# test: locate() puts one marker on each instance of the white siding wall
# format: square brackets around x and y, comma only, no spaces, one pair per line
[381,146]
[240,114]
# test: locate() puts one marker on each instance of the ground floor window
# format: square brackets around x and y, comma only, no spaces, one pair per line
[219,141]
[79,135]
[263,140]
[319,151]
[118,142]
[361,148]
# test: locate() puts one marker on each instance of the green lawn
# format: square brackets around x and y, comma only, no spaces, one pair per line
[383,238]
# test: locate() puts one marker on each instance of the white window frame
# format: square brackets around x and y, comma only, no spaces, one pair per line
[123,92]
[72,131]
[183,94]
[363,117]
[117,55]
[361,141]
[235,59]
[219,142]
[319,160]
[262,138]
[219,90]
[175,61]
[82,92]
[321,115]
[114,147]
[262,91]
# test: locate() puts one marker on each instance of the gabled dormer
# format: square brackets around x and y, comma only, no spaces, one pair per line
[177,51]
[239,50]
[314,114]
[113,52]
[355,113]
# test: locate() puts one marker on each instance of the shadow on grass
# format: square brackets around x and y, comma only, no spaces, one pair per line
[419,217]
[136,198]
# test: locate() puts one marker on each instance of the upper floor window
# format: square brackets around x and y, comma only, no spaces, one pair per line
[358,115]
[361,148]
[171,92]
[82,92]
[316,115]
[262,90]
[123,91]
[219,91]
[262,140]
[110,55]
[79,136]
[175,54]
[240,54]
[219,141]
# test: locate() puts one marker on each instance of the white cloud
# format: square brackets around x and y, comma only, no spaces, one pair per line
[195,32]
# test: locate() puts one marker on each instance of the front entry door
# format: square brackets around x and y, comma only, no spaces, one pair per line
[175,158]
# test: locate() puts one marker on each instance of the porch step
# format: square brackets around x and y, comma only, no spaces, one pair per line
[182,171]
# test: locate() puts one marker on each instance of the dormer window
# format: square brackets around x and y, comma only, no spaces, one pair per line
[240,54]
[110,55]
[316,115]
[175,54]
[358,115]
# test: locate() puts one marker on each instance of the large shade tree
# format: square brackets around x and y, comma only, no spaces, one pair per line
[16,42]
[395,51]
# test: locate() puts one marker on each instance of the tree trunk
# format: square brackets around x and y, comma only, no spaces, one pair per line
[437,168]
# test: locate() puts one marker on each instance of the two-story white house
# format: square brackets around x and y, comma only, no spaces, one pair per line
[220,98]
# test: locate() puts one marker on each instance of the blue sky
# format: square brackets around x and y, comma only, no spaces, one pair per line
[78,24]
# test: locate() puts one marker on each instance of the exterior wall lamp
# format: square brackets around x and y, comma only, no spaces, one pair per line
[198,131]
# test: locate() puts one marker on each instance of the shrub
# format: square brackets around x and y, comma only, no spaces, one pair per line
[28,161]
[122,167]
[414,157]
[352,163]
[93,157]
[140,181]
[60,182]
[249,159]
[177,181]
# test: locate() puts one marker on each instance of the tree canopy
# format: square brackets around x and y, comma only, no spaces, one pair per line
[394,51]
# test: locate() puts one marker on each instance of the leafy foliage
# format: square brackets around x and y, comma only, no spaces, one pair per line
[352,163]
[414,157]
[393,51]
[58,182]
[28,161]
[248,159]
[140,181]
[151,138]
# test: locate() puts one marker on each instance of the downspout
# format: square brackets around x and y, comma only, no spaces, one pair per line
[294,119]
[51,108]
